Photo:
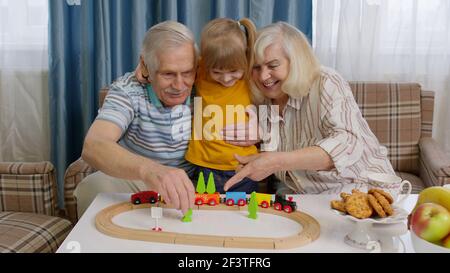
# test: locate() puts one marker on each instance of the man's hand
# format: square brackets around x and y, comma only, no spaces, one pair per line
[173,184]
[256,167]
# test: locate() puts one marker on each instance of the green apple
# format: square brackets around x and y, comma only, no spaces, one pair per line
[431,222]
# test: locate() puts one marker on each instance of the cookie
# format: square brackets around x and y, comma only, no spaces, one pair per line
[344,195]
[338,205]
[384,203]
[385,194]
[355,191]
[358,206]
[376,206]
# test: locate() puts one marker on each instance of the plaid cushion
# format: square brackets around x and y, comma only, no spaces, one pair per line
[393,112]
[434,163]
[429,178]
[28,187]
[427,100]
[76,172]
[31,233]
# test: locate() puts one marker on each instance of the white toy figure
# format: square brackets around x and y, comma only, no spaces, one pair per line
[156,214]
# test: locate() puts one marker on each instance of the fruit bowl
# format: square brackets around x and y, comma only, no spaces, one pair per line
[422,246]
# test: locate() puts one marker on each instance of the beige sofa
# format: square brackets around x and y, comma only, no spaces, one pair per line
[400,115]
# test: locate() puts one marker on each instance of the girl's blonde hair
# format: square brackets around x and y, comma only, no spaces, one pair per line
[303,64]
[225,45]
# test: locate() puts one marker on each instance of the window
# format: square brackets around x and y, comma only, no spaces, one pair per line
[419,25]
[400,27]
[24,122]
[23,33]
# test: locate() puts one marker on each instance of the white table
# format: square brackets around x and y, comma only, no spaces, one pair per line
[86,238]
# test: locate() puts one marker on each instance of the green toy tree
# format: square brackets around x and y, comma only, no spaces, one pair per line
[200,184]
[253,206]
[211,186]
[187,217]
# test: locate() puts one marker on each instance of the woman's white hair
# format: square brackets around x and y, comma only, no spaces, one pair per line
[162,37]
[304,66]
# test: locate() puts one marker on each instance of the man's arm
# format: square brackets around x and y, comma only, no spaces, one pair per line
[102,152]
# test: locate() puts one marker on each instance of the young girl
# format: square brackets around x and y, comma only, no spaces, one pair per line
[226,52]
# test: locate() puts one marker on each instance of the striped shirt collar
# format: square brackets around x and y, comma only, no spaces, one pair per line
[294,103]
[153,98]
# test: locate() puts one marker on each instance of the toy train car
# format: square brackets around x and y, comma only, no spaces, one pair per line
[211,199]
[282,204]
[264,200]
[236,198]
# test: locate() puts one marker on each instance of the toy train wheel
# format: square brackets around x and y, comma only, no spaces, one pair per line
[137,201]
[241,202]
[152,200]
[212,202]
[277,206]
[264,204]
[198,201]
[230,202]
[287,209]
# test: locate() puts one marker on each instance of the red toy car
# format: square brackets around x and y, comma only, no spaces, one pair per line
[144,197]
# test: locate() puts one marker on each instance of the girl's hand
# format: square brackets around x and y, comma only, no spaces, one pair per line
[242,135]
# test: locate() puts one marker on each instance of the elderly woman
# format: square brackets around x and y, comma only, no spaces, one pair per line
[322,142]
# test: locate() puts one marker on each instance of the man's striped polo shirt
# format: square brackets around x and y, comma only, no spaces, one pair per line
[148,128]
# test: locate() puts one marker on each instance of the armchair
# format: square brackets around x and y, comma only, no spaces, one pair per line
[401,117]
[29,219]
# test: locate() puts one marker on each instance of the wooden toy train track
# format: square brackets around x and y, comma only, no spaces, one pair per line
[310,230]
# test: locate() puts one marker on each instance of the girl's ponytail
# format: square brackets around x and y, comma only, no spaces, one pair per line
[250,34]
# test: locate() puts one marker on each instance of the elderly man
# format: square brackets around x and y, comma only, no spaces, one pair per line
[140,135]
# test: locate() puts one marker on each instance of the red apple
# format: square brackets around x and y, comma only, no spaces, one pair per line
[446,241]
[431,222]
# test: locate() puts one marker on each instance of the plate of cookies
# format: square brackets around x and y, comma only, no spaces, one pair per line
[375,206]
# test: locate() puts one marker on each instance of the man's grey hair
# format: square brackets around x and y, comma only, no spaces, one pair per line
[163,37]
